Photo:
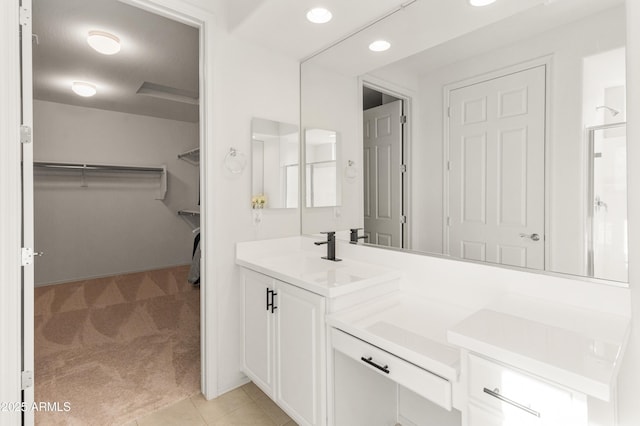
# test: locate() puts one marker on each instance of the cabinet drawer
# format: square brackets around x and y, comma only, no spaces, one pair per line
[480,416]
[424,383]
[515,393]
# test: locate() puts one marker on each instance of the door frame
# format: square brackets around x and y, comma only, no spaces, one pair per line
[547,62]
[204,21]
[406,96]
[11,213]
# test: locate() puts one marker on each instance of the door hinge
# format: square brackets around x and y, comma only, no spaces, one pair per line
[448,165]
[28,254]
[449,112]
[25,16]
[403,168]
[27,379]
[448,221]
[25,134]
[403,219]
[403,119]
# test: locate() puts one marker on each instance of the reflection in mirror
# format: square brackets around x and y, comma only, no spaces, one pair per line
[514,145]
[321,176]
[274,158]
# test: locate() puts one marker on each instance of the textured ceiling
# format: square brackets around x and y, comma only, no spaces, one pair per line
[281,25]
[154,49]
[530,23]
[163,52]
[435,32]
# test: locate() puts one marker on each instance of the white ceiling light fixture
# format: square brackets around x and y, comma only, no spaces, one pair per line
[84,89]
[379,46]
[104,42]
[319,15]
[480,3]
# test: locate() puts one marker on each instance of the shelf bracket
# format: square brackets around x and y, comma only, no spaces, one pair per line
[162,192]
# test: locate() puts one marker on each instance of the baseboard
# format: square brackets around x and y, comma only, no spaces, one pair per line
[232,386]
[114,274]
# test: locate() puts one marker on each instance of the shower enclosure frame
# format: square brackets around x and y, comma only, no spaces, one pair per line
[590,136]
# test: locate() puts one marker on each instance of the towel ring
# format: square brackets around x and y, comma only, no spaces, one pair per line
[235,161]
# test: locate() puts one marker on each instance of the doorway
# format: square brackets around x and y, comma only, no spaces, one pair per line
[116,200]
[385,169]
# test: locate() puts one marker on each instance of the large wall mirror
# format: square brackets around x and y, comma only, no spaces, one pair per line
[493,134]
[274,164]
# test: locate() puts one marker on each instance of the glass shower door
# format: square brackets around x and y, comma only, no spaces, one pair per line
[607,206]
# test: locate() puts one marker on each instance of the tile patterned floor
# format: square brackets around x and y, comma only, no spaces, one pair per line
[247,405]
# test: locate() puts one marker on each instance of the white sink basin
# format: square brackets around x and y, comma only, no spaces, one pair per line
[322,276]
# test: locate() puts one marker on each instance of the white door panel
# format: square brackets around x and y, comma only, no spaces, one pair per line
[382,134]
[27,208]
[496,181]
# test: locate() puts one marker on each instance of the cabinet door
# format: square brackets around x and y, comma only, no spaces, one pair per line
[300,354]
[258,340]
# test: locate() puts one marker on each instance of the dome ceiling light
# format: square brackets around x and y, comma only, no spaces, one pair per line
[104,42]
[84,89]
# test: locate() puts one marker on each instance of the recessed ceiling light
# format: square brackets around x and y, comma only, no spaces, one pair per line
[103,42]
[82,88]
[319,15]
[379,46]
[479,3]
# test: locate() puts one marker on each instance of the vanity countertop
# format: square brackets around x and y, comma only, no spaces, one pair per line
[307,270]
[411,328]
[574,347]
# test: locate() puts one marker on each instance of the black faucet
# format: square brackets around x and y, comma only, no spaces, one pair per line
[354,236]
[331,246]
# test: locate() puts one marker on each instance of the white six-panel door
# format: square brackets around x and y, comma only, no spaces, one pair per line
[382,134]
[496,176]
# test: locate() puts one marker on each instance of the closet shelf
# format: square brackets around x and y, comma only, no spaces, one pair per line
[189,212]
[83,168]
[191,156]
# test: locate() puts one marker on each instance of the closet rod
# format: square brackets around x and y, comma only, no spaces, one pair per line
[162,171]
[77,166]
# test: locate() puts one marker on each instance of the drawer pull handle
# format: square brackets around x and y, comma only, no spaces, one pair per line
[495,393]
[373,364]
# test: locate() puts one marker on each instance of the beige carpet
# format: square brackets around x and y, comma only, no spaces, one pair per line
[116,348]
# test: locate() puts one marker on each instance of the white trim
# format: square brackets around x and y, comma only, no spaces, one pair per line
[10,211]
[406,95]
[547,62]
[180,11]
[28,230]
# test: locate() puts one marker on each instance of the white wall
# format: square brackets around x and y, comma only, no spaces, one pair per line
[568,45]
[629,378]
[114,225]
[249,81]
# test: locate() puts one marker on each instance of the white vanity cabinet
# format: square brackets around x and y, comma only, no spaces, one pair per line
[284,345]
[534,362]
[503,396]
